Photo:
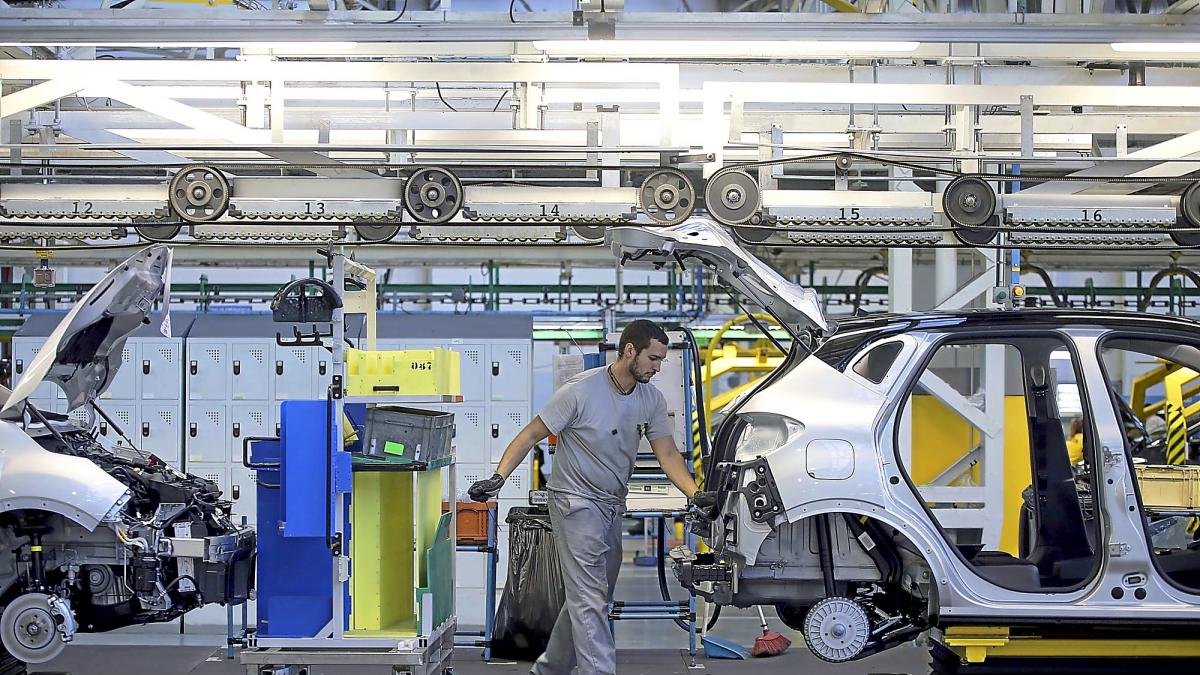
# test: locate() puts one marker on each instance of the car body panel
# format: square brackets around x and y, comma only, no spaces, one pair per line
[32,477]
[798,307]
[83,352]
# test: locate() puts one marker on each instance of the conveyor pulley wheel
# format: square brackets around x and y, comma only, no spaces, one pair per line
[732,197]
[589,232]
[1189,217]
[970,203]
[376,233]
[667,196]
[433,195]
[158,232]
[199,194]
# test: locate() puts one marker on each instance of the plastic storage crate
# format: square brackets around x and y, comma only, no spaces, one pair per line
[411,434]
[1169,487]
[472,525]
[409,372]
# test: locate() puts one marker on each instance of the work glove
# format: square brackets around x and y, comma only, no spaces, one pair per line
[705,500]
[483,490]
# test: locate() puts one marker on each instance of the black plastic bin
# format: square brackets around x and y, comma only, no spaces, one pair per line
[533,595]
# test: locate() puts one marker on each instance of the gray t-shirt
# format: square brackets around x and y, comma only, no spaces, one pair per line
[598,433]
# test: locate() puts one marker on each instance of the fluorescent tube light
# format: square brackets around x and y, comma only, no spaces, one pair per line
[1165,47]
[720,48]
[305,46]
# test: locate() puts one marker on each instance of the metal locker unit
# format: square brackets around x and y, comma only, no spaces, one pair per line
[125,415]
[470,438]
[206,433]
[502,425]
[473,367]
[246,420]
[324,373]
[508,370]
[518,485]
[27,341]
[471,572]
[124,384]
[159,369]
[229,357]
[293,371]
[242,492]
[249,371]
[160,431]
[150,368]
[207,370]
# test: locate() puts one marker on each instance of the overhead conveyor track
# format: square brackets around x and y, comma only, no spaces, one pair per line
[545,199]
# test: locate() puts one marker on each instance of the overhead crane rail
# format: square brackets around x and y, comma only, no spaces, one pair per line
[534,202]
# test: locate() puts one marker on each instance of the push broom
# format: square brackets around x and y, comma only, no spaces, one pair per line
[769,643]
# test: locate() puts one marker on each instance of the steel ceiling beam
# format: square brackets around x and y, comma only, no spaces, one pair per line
[131,26]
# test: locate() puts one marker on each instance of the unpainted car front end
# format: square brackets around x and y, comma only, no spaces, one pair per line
[102,536]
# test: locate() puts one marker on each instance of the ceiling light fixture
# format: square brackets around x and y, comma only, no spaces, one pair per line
[719,48]
[1163,47]
[306,46]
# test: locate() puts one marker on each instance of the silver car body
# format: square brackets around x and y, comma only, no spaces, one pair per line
[102,536]
[842,459]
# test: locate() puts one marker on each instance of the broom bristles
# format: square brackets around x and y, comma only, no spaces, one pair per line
[770,643]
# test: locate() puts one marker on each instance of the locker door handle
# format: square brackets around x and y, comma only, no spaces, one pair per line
[20,366]
[104,428]
[237,429]
[322,367]
[277,429]
[495,368]
[279,367]
[193,367]
[236,491]
[192,429]
[146,366]
[145,429]
[237,367]
[495,431]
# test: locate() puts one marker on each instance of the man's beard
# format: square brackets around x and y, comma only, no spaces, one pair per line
[643,378]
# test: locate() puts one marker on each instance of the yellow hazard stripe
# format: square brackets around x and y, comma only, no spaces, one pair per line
[1176,435]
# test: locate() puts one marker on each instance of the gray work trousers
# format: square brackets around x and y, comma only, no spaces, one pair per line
[588,536]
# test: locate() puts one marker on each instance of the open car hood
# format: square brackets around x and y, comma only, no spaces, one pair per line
[708,242]
[83,353]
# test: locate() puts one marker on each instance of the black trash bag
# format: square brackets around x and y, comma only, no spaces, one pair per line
[533,595]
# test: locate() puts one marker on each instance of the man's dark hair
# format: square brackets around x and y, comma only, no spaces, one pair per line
[639,334]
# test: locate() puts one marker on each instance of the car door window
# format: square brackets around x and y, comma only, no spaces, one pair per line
[1155,385]
[987,451]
